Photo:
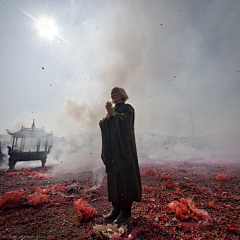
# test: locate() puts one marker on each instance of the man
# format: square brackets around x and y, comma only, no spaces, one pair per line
[119,155]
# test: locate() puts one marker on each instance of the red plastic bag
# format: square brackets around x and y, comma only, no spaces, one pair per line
[180,209]
[37,198]
[207,220]
[12,199]
[182,212]
[85,211]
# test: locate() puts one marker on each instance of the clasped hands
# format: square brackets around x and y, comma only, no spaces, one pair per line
[110,110]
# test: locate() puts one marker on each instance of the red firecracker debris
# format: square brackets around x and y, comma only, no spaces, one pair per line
[37,198]
[234,228]
[85,211]
[221,177]
[40,176]
[12,199]
[182,212]
[25,170]
[163,176]
[58,188]
[11,174]
[55,216]
[207,220]
[213,205]
[187,226]
[180,209]
[150,172]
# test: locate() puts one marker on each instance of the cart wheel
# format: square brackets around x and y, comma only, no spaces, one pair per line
[43,162]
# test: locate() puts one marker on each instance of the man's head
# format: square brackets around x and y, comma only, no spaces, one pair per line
[118,95]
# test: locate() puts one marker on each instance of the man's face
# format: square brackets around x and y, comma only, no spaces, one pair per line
[116,96]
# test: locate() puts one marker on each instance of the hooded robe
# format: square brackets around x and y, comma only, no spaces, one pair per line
[119,155]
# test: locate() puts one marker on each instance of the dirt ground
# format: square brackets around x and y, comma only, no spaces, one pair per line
[163,182]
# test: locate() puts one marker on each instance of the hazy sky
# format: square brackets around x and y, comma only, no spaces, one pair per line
[166,54]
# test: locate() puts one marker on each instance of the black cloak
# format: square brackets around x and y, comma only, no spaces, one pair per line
[119,155]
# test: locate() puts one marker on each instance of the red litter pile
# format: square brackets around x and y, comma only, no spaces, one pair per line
[12,199]
[221,177]
[37,198]
[85,211]
[150,172]
[181,210]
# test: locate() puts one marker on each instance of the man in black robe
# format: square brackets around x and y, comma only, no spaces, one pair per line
[119,155]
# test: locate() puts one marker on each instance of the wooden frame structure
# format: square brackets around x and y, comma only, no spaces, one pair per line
[20,152]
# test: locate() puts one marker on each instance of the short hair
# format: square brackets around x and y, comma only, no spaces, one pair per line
[123,93]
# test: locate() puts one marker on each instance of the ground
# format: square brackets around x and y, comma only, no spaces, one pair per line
[163,182]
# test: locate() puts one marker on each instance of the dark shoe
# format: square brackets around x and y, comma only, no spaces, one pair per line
[112,215]
[123,217]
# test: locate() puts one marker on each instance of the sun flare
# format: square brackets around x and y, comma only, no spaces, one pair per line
[47,28]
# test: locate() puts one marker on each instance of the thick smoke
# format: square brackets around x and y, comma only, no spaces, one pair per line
[178,61]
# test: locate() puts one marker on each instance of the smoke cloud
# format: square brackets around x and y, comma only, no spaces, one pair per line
[177,60]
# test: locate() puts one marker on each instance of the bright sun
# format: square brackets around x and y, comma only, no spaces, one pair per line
[47,28]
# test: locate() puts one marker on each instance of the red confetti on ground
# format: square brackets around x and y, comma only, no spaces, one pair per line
[191,185]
